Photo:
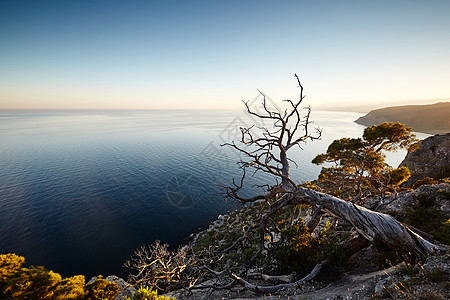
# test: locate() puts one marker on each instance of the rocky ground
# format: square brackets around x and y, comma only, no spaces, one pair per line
[363,279]
[430,280]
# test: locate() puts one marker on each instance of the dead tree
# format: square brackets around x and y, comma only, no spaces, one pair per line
[266,149]
[268,152]
[158,267]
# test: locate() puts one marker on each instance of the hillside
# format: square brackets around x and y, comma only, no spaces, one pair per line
[432,118]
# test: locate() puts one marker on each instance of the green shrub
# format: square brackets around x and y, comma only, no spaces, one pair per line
[299,251]
[445,194]
[442,234]
[408,269]
[436,275]
[424,215]
[387,258]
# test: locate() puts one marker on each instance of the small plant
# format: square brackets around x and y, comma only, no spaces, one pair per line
[146,293]
[409,270]
[426,180]
[435,275]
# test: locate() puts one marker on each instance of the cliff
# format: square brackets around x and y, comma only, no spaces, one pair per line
[432,119]
[432,159]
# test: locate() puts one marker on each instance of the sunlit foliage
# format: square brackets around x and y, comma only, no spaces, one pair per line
[358,164]
[38,283]
[146,293]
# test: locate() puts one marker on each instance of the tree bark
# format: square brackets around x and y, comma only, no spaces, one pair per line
[378,228]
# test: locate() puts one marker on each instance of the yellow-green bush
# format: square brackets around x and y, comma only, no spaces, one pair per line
[101,289]
[145,293]
[39,283]
[426,180]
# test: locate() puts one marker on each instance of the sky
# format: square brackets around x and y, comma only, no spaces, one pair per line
[111,54]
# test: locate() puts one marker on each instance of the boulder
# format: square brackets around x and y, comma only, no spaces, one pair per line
[432,159]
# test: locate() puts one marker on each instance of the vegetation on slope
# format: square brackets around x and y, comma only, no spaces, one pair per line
[37,283]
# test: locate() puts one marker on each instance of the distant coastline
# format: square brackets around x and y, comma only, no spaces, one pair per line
[365,107]
[431,118]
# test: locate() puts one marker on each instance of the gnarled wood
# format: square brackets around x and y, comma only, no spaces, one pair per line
[272,289]
[376,227]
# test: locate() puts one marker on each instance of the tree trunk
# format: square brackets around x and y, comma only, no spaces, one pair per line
[378,228]
[285,170]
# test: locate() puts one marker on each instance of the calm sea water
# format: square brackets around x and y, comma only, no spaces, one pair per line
[81,190]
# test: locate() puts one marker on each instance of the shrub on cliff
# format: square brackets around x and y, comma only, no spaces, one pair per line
[38,283]
[146,293]
[299,251]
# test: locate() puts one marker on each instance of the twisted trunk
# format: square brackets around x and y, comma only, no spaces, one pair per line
[378,228]
[285,170]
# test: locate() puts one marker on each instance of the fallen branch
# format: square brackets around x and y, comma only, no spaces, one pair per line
[272,278]
[271,289]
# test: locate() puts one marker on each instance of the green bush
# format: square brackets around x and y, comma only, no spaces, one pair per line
[442,234]
[387,258]
[424,215]
[299,251]
[436,275]
[445,194]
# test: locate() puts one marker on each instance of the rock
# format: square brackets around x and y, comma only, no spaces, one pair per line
[381,285]
[397,204]
[432,159]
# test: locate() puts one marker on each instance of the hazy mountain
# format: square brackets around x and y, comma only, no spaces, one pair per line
[432,119]
[363,107]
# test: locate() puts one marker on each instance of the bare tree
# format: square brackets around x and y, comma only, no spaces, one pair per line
[267,149]
[158,267]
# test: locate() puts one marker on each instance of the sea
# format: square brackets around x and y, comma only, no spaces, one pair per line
[80,191]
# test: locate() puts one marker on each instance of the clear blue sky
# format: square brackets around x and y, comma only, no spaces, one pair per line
[212,54]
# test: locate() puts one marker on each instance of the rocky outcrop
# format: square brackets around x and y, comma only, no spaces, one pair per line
[432,119]
[397,204]
[432,159]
